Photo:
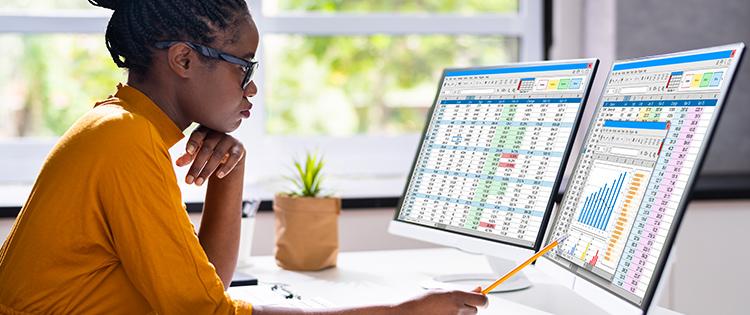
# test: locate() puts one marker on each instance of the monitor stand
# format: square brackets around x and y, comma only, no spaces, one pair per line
[469,281]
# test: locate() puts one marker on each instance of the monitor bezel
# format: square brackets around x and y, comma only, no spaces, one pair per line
[657,276]
[566,154]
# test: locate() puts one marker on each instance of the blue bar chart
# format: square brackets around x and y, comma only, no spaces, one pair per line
[598,206]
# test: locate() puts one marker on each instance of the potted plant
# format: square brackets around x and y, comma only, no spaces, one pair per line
[306,220]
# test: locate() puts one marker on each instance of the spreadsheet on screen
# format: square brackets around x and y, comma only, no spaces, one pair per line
[493,149]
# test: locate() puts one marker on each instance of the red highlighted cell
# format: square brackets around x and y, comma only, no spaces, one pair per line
[486,225]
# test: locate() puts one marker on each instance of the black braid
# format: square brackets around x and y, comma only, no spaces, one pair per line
[136,25]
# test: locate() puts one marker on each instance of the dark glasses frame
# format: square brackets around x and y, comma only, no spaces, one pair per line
[248,66]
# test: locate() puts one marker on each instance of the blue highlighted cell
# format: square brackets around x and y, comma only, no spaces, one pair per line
[575,83]
[716,79]
[653,125]
[490,206]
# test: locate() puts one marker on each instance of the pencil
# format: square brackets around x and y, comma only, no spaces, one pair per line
[524,264]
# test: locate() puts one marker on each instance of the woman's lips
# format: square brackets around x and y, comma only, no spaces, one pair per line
[246,110]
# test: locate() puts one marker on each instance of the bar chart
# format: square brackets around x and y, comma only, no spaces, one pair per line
[606,211]
[602,196]
[598,206]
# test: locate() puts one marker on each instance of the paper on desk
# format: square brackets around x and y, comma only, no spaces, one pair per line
[263,295]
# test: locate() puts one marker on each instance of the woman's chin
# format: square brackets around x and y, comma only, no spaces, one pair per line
[234,126]
[226,126]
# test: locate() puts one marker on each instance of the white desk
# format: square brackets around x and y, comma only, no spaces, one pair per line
[376,277]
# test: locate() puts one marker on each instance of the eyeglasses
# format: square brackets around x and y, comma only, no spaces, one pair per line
[248,66]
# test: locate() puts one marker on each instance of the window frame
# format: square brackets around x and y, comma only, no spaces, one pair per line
[360,157]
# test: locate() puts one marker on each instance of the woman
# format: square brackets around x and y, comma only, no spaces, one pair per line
[104,230]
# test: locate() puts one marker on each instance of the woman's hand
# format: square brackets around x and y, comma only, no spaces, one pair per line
[211,152]
[445,302]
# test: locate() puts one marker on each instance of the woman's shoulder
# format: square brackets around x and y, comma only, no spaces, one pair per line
[111,123]
[114,115]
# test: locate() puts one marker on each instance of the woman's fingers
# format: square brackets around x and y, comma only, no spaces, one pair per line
[232,158]
[196,139]
[202,156]
[194,143]
[219,153]
[468,310]
[473,299]
[210,152]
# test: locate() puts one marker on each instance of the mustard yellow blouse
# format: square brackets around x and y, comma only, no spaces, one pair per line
[104,230]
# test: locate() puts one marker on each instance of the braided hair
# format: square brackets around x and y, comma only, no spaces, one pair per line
[136,25]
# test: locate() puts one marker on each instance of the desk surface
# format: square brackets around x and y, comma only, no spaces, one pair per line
[384,277]
[377,277]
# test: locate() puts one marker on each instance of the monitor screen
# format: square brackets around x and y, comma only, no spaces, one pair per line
[643,149]
[492,153]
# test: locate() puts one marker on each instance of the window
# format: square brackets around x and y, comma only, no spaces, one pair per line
[364,84]
[353,79]
[47,81]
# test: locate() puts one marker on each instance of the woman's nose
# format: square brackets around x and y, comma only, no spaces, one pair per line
[251,89]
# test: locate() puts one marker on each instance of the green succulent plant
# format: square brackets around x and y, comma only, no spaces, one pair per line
[307,176]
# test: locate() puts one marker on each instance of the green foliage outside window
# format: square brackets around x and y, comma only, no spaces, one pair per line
[331,85]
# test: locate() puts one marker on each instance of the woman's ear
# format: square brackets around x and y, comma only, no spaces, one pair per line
[180,58]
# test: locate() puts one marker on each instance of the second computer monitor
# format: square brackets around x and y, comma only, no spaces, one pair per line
[492,155]
[628,191]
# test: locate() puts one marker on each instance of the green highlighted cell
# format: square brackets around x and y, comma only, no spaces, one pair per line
[706,79]
[564,84]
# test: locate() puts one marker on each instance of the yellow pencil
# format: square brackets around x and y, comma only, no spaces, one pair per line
[524,264]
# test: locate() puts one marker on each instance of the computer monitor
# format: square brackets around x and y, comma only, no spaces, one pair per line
[491,159]
[630,186]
